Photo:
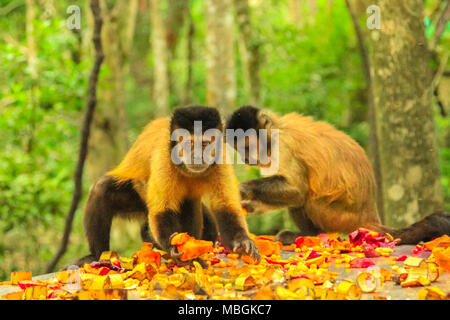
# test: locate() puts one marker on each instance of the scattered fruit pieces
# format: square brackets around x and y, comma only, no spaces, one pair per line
[303,274]
[20,276]
[190,247]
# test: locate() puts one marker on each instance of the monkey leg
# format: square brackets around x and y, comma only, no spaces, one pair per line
[303,222]
[145,233]
[210,231]
[108,199]
[188,218]
[234,234]
[191,217]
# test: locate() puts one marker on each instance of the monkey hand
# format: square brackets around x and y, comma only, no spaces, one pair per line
[248,205]
[185,257]
[81,262]
[255,207]
[173,250]
[287,237]
[245,245]
[176,256]
[246,191]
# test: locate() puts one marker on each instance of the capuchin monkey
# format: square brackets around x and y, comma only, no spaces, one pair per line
[324,178]
[164,179]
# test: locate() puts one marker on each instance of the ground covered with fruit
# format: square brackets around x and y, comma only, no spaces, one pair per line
[363,265]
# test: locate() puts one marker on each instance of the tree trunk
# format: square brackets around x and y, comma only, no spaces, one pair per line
[356,10]
[130,26]
[221,81]
[296,13]
[160,55]
[401,82]
[31,61]
[109,138]
[251,50]
[177,12]
[312,7]
[330,4]
[85,132]
[138,59]
[187,92]
[312,10]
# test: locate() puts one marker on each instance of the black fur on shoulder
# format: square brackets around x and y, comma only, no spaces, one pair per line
[185,117]
[246,117]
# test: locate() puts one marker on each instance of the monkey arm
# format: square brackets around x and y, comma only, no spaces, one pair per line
[227,211]
[234,234]
[224,202]
[163,205]
[274,191]
[162,225]
[257,207]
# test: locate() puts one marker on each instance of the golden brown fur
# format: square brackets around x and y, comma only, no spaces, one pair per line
[324,179]
[334,172]
[170,195]
[163,186]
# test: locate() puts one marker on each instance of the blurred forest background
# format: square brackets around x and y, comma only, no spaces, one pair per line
[388,88]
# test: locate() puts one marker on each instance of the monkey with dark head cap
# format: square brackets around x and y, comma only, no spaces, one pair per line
[167,187]
[323,177]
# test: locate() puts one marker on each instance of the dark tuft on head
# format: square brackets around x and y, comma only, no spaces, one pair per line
[185,117]
[244,118]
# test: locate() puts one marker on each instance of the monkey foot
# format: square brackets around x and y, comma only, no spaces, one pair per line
[81,262]
[286,237]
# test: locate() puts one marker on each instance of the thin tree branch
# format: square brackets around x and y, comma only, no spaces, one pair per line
[85,131]
[440,71]
[440,103]
[361,44]
[440,25]
[10,7]
[435,12]
[436,80]
[190,58]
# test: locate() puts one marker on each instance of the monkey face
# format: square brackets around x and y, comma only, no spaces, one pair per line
[253,148]
[195,135]
[250,152]
[250,131]
[195,154]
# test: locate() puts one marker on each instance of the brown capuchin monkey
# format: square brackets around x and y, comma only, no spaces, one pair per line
[162,181]
[321,175]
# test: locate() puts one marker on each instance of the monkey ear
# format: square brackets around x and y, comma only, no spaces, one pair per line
[264,120]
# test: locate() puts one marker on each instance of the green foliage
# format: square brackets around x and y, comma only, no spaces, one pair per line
[443,133]
[39,125]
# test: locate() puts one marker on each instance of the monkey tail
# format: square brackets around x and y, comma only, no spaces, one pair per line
[435,225]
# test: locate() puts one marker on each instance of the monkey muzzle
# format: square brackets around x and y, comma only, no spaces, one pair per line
[197,168]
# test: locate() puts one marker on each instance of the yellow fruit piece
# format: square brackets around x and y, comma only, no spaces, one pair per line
[349,289]
[367,282]
[20,276]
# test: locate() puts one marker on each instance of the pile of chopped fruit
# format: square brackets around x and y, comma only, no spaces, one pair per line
[303,273]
